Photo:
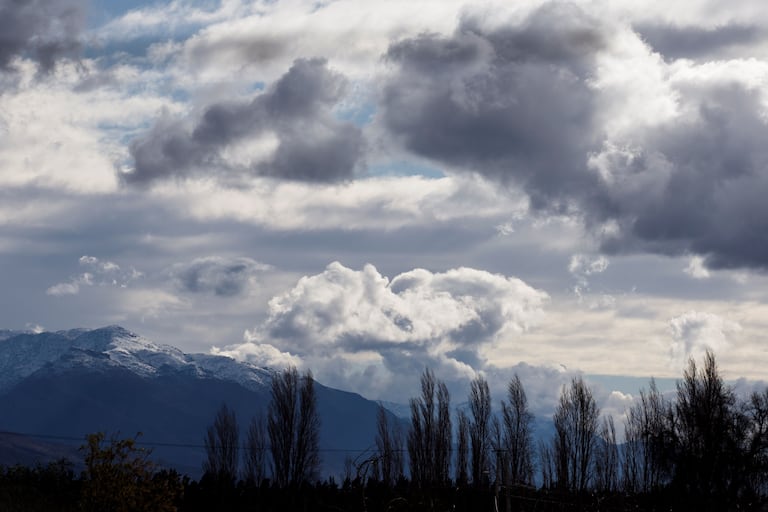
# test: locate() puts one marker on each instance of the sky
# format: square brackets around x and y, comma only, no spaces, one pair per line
[368,188]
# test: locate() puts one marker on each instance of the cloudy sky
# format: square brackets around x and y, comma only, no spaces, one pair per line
[366,188]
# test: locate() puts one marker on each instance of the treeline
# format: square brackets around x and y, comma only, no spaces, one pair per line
[704,449]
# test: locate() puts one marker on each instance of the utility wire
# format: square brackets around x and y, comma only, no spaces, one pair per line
[158,444]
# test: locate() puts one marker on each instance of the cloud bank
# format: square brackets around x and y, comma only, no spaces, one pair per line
[542,113]
[347,324]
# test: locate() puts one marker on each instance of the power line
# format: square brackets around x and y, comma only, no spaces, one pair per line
[162,444]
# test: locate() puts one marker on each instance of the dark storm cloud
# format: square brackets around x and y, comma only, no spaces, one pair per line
[44,30]
[516,104]
[223,277]
[313,145]
[513,103]
[674,41]
[700,184]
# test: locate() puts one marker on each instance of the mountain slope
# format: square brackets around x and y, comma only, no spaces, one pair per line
[72,383]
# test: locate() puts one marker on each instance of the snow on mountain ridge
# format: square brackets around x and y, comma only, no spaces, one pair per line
[23,354]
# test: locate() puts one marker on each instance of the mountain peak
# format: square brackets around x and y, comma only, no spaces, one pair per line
[22,354]
[109,379]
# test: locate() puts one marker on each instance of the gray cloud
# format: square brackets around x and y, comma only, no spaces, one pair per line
[312,144]
[512,103]
[518,104]
[675,41]
[696,184]
[223,277]
[44,30]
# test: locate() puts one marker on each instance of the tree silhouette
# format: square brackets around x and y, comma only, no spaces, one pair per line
[479,429]
[389,444]
[222,446]
[648,441]
[429,439]
[293,426]
[709,432]
[120,477]
[575,430]
[517,420]
[462,449]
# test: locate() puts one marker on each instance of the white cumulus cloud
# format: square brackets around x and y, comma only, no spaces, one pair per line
[349,323]
[695,332]
[98,272]
[697,268]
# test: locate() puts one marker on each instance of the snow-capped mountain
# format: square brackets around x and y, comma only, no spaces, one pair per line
[71,383]
[22,354]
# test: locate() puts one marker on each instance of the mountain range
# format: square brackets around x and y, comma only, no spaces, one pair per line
[57,387]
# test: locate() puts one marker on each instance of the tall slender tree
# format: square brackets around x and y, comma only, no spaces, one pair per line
[648,434]
[222,445]
[575,421]
[443,435]
[479,429]
[429,438]
[390,447]
[293,426]
[518,433]
[462,449]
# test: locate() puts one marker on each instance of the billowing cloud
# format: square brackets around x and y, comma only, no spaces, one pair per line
[223,277]
[695,332]
[97,272]
[511,102]
[44,30]
[343,319]
[697,183]
[289,132]
[549,114]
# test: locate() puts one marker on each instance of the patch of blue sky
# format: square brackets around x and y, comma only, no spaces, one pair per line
[101,12]
[405,168]
[257,87]
[359,114]
[135,43]
[116,51]
[631,385]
